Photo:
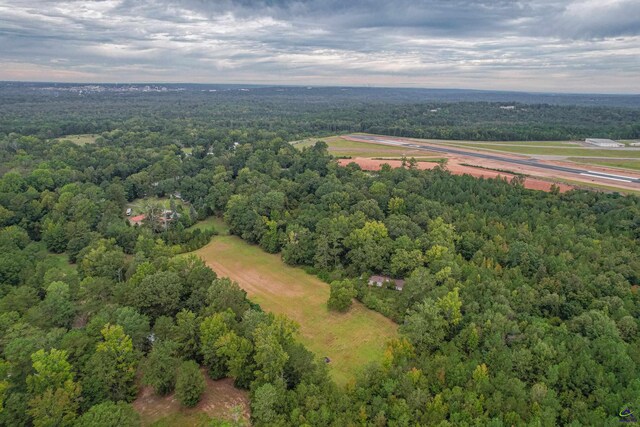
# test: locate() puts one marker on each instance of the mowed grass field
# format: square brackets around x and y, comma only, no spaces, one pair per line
[616,163]
[573,151]
[341,147]
[350,340]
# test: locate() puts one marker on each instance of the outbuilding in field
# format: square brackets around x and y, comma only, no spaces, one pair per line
[601,142]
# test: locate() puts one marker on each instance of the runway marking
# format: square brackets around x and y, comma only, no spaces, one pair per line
[605,177]
[611,174]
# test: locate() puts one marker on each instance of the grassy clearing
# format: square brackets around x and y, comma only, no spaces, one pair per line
[418,159]
[220,400]
[83,139]
[559,144]
[594,186]
[61,262]
[217,223]
[554,151]
[138,205]
[341,147]
[351,340]
[626,164]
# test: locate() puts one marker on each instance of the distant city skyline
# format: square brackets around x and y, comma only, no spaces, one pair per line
[590,46]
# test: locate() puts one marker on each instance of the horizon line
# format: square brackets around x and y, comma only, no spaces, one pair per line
[365,86]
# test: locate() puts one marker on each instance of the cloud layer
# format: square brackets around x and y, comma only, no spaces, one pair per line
[542,45]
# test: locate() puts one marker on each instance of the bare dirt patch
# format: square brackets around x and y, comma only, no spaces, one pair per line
[456,168]
[218,401]
[546,157]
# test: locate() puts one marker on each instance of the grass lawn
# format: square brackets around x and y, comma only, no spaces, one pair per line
[351,339]
[418,159]
[217,223]
[61,261]
[80,139]
[627,164]
[340,147]
[594,186]
[560,144]
[553,151]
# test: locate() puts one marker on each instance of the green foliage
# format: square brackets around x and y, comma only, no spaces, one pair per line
[158,294]
[160,368]
[52,371]
[341,295]
[54,394]
[55,407]
[190,383]
[110,373]
[57,307]
[502,283]
[109,414]
[212,329]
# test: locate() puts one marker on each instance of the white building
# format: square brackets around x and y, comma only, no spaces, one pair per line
[600,142]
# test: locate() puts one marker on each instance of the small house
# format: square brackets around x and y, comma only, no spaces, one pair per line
[379,281]
[137,220]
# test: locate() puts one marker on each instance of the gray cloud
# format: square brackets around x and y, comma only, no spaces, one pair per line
[551,45]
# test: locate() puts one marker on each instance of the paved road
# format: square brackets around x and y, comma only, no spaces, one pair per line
[524,162]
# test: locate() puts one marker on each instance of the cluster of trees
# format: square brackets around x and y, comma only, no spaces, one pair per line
[502,283]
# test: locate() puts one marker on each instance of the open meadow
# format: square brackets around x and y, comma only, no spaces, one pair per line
[340,147]
[350,340]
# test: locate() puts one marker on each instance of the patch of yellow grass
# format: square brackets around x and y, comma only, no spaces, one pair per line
[350,340]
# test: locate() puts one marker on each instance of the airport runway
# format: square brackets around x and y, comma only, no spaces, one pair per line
[524,162]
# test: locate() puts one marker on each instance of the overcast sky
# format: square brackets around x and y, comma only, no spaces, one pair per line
[541,45]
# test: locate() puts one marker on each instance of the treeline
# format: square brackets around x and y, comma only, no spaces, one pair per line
[296,113]
[502,284]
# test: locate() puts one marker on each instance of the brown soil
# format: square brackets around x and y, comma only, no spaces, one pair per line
[538,178]
[455,168]
[218,401]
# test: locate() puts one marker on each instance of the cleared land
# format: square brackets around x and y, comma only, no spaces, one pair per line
[561,151]
[341,147]
[457,169]
[138,205]
[83,139]
[221,400]
[548,167]
[350,340]
[565,144]
[624,164]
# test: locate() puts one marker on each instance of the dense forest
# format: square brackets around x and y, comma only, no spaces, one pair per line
[52,111]
[519,307]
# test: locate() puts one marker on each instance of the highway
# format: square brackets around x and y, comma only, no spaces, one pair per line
[524,162]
